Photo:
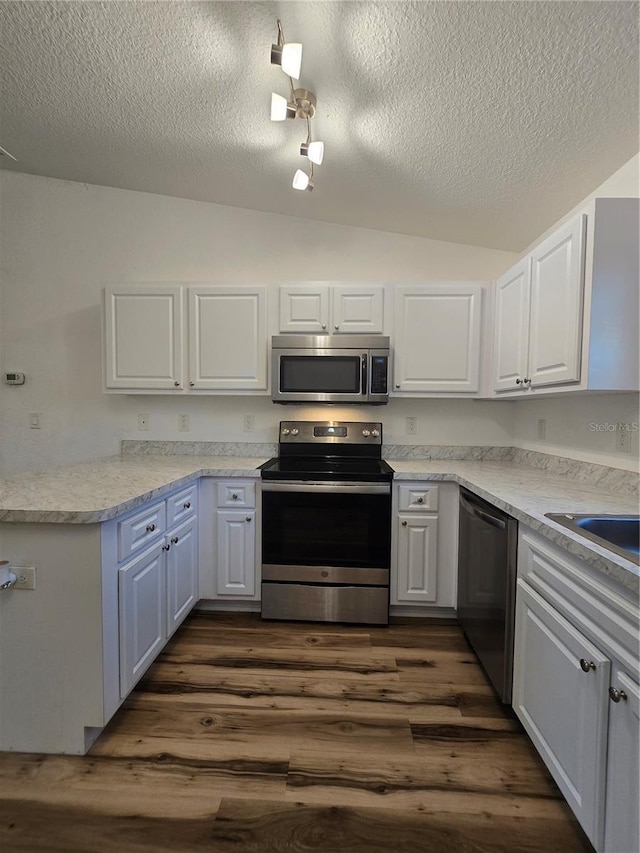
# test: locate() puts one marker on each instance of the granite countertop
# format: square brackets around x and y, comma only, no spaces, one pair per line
[96,491]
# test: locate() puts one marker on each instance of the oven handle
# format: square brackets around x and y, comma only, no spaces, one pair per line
[324,487]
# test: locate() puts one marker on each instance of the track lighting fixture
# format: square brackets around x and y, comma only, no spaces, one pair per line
[300,104]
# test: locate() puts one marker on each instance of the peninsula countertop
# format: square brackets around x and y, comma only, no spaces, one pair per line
[93,492]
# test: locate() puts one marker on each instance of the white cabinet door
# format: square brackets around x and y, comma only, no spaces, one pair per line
[562,707]
[182,573]
[511,341]
[437,338]
[557,280]
[416,558]
[227,338]
[357,309]
[623,795]
[236,553]
[141,590]
[143,338]
[304,308]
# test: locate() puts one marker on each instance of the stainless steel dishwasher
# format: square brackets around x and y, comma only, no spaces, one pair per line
[486,586]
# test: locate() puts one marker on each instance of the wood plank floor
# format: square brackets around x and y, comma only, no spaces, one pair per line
[269,737]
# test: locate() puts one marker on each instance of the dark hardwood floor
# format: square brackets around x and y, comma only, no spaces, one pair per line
[263,737]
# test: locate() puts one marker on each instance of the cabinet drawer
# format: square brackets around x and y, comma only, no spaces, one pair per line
[241,494]
[140,529]
[182,505]
[416,497]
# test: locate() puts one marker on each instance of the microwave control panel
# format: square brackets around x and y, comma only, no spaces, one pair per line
[379,370]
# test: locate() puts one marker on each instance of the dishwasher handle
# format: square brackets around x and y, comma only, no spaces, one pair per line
[481,514]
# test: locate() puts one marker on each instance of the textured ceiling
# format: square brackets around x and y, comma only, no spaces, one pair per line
[475,122]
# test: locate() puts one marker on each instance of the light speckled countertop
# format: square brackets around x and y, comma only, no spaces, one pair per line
[96,491]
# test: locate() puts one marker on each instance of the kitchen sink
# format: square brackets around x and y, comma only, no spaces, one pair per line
[618,533]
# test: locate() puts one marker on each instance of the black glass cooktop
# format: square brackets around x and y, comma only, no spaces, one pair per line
[327,468]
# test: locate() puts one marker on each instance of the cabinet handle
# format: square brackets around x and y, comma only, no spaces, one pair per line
[234,497]
[336,327]
[248,518]
[404,523]
[192,384]
[518,381]
[177,384]
[166,547]
[324,325]
[397,386]
[586,665]
[150,528]
[419,500]
[616,695]
[174,540]
[527,381]
[187,505]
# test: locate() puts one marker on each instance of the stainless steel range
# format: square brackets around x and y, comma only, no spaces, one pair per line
[326,524]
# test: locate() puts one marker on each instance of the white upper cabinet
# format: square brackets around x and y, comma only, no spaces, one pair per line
[511,352]
[566,316]
[227,338]
[557,281]
[144,338]
[437,338]
[331,308]
[148,342]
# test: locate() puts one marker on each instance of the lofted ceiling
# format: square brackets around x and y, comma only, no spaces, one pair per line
[474,122]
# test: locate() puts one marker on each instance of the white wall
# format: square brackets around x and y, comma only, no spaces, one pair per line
[60,241]
[568,418]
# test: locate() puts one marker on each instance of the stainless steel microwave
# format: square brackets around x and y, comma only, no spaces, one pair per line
[330,369]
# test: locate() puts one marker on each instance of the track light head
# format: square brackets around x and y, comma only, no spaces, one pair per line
[281,109]
[288,56]
[313,150]
[302,181]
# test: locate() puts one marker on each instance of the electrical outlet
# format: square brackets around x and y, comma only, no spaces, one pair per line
[183,423]
[247,422]
[542,429]
[623,439]
[34,420]
[26,577]
[411,426]
[144,421]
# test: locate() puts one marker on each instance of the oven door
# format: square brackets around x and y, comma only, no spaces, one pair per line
[327,525]
[319,376]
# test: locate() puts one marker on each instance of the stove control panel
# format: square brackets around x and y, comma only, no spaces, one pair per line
[330,432]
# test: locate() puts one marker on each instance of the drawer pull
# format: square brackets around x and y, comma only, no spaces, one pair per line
[166,547]
[234,497]
[248,518]
[586,665]
[404,523]
[616,695]
[150,528]
[419,500]
[174,540]
[187,505]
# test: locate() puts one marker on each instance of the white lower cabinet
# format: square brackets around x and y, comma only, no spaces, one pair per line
[236,540]
[156,590]
[142,614]
[417,555]
[236,552]
[424,544]
[576,645]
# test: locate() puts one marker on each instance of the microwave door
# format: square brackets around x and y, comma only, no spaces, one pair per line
[315,375]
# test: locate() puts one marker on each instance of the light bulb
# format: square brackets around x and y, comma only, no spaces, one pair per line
[314,151]
[292,59]
[302,181]
[278,107]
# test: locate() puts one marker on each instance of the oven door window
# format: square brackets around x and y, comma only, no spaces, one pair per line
[325,374]
[326,529]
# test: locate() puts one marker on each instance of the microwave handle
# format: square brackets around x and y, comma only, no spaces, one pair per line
[365,358]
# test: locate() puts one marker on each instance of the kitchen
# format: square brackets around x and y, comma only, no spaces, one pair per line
[89,236]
